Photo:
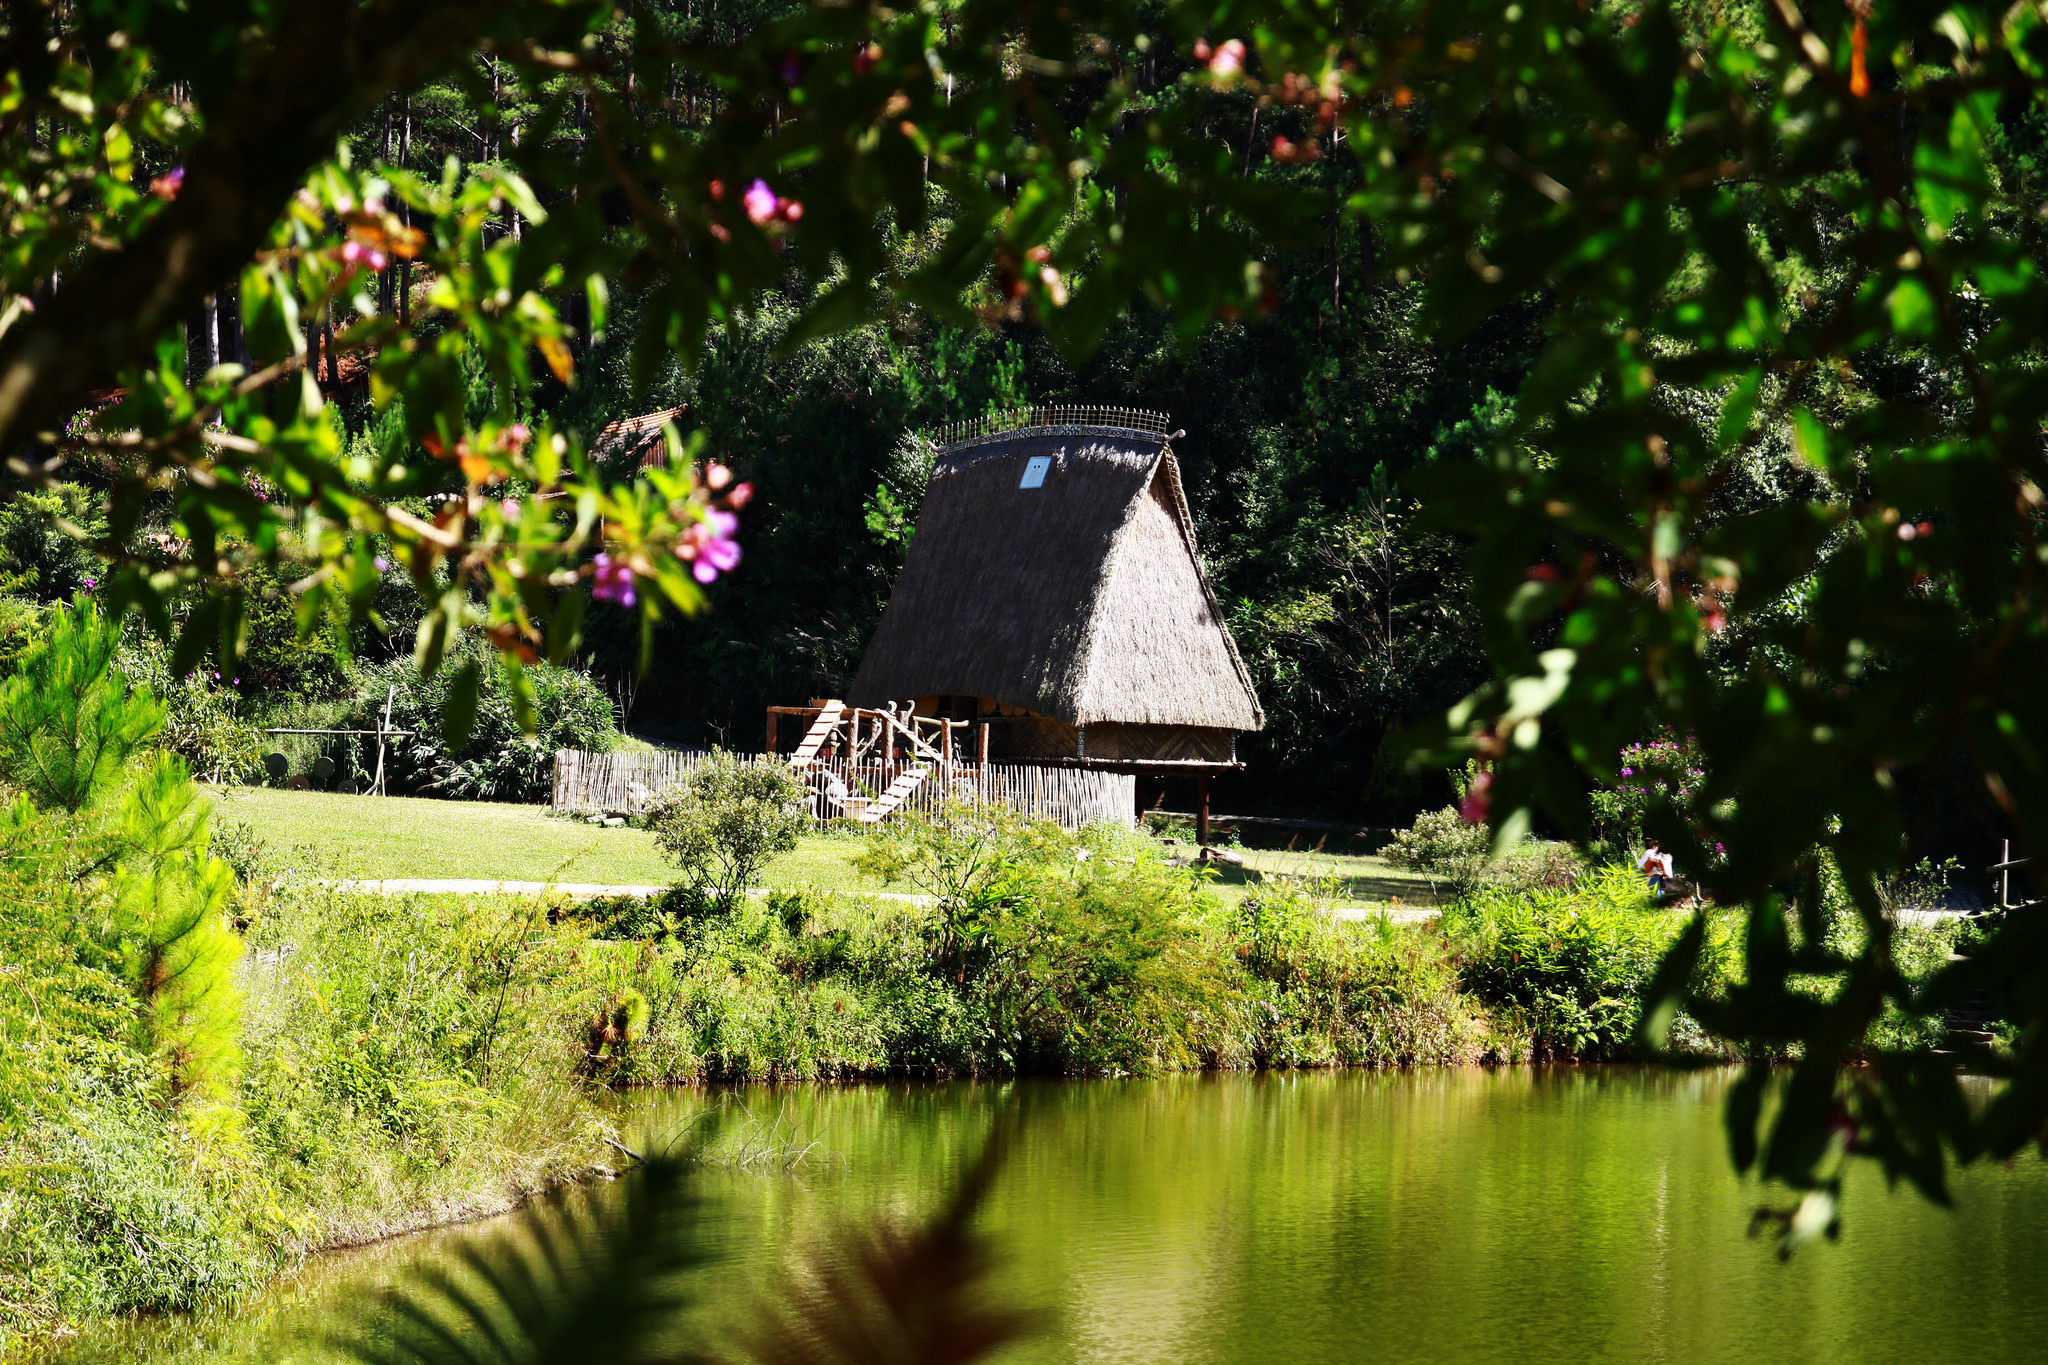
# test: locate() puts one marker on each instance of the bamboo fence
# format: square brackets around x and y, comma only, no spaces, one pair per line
[587,783]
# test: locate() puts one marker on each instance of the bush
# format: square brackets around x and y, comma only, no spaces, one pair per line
[22,624]
[203,723]
[724,822]
[1457,857]
[1655,771]
[498,761]
[1574,963]
[1444,847]
[37,558]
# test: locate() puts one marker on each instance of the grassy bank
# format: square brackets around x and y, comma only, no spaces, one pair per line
[399,1062]
[413,1058]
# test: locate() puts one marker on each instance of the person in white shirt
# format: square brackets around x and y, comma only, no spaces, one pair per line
[1655,864]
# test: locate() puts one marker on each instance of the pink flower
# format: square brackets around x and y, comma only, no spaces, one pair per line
[167,186]
[709,546]
[759,201]
[1478,802]
[612,581]
[1229,59]
[741,495]
[383,565]
[1628,772]
[716,475]
[355,253]
[720,556]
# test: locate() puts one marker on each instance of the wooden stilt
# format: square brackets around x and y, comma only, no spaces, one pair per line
[771,730]
[1202,809]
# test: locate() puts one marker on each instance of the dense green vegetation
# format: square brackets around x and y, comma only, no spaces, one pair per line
[405,1059]
[210,1068]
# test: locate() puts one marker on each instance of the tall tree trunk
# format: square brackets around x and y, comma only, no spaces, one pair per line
[405,210]
[202,340]
[516,233]
[234,346]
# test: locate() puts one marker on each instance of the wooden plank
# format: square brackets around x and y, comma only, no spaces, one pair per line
[822,728]
[898,790]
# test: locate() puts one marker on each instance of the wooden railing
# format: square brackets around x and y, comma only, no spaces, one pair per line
[624,783]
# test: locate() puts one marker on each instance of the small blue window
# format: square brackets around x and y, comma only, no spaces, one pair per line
[1034,471]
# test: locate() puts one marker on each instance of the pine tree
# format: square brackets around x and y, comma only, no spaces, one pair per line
[70,724]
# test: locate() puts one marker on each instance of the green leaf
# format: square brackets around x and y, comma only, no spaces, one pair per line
[600,303]
[1911,307]
[458,709]
[1667,988]
[1745,1109]
[565,631]
[270,315]
[1737,411]
[1810,438]
[200,634]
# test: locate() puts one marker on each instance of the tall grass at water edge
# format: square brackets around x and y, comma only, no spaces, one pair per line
[405,1062]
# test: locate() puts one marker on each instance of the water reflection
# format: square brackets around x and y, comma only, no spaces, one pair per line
[1527,1216]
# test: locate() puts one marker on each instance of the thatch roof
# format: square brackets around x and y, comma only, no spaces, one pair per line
[636,438]
[1083,599]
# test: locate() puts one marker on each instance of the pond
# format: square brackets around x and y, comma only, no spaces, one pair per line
[1527,1215]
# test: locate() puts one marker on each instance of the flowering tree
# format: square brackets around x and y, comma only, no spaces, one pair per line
[152,159]
[1657,773]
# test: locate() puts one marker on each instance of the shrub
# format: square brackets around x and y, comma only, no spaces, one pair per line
[1444,847]
[1458,857]
[498,761]
[202,719]
[22,624]
[724,822]
[37,558]
[1574,963]
[1653,771]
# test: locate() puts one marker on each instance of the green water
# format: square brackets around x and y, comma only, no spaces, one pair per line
[1568,1215]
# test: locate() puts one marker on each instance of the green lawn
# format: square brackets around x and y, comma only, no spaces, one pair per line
[364,836]
[1350,879]
[398,836]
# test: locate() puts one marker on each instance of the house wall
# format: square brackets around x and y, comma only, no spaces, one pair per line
[1177,743]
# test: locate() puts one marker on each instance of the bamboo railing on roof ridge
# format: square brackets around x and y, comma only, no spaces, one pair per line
[1138,420]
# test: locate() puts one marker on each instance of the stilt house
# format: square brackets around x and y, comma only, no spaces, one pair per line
[1054,602]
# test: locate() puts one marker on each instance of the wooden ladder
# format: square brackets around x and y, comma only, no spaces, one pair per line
[821,730]
[899,791]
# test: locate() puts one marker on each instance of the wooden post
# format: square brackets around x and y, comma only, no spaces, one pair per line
[981,744]
[771,731]
[390,696]
[1202,809]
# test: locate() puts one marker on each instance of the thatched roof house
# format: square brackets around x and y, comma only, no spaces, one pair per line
[638,439]
[1053,592]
